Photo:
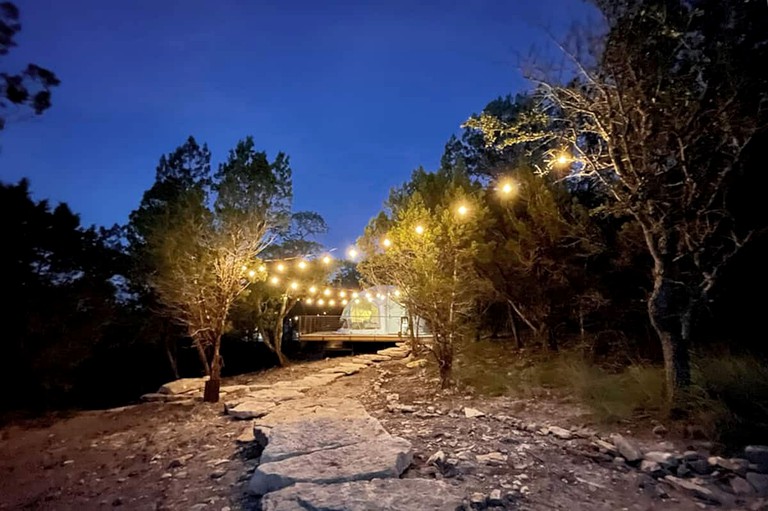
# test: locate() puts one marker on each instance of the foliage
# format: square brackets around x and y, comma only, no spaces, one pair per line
[30,88]
[198,245]
[264,306]
[429,255]
[60,298]
[661,114]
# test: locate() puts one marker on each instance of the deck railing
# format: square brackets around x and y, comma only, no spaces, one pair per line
[327,323]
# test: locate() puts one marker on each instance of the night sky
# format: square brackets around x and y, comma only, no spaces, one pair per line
[357,93]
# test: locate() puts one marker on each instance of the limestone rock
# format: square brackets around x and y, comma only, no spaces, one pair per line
[560,432]
[319,433]
[419,362]
[741,487]
[183,385]
[437,458]
[757,454]
[651,467]
[376,495]
[346,369]
[665,459]
[759,482]
[736,465]
[700,491]
[306,408]
[375,357]
[155,397]
[386,457]
[494,498]
[628,450]
[660,430]
[493,458]
[472,413]
[251,409]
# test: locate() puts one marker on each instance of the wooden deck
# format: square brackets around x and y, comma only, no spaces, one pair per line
[353,337]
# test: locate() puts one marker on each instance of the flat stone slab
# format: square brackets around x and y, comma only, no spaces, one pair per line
[318,433]
[154,397]
[373,357]
[394,352]
[319,379]
[251,409]
[376,495]
[183,385]
[307,408]
[388,456]
[346,369]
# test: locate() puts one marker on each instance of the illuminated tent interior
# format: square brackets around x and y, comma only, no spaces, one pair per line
[376,311]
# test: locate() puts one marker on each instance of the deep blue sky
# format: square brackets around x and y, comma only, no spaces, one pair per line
[357,93]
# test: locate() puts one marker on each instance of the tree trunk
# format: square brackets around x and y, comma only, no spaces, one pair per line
[212,386]
[202,356]
[168,341]
[671,317]
[444,360]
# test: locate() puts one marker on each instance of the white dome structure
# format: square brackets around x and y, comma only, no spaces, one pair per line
[376,311]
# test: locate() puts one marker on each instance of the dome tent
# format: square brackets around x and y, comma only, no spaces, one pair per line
[376,311]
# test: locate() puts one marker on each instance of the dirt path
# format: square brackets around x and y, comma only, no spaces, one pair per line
[185,456]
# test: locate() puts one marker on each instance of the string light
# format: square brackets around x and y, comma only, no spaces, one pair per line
[563,159]
[355,295]
[327,292]
[386,242]
[357,301]
[327,260]
[397,292]
[462,210]
[302,265]
[419,230]
[262,268]
[308,301]
[281,267]
[342,294]
[294,285]
[344,302]
[321,302]
[251,273]
[274,280]
[352,253]
[331,302]
[244,267]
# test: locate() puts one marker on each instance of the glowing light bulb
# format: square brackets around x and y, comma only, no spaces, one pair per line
[352,253]
[327,260]
[357,301]
[342,294]
[331,302]
[321,302]
[244,267]
[274,280]
[379,296]
[294,285]
[563,159]
[327,292]
[419,229]
[302,265]
[308,301]
[397,292]
[462,210]
[355,295]
[251,273]
[313,290]
[344,302]
[386,242]
[281,267]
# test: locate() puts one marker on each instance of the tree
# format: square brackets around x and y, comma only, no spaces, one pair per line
[186,168]
[200,246]
[661,114]
[294,267]
[537,253]
[431,232]
[30,88]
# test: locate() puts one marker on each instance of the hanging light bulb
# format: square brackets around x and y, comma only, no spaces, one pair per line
[251,273]
[327,260]
[344,302]
[262,268]
[352,253]
[386,242]
[419,229]
[294,285]
[342,294]
[327,292]
[312,290]
[244,267]
[355,295]
[397,292]
[308,301]
[274,280]
[281,267]
[302,264]
[321,302]
[331,302]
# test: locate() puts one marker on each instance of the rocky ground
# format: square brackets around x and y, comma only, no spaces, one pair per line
[322,423]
